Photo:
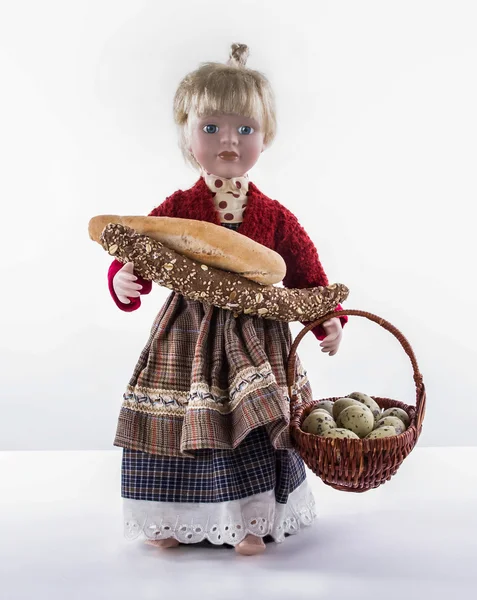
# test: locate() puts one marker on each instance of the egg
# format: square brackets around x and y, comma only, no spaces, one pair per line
[317,422]
[340,433]
[341,404]
[320,410]
[394,422]
[369,402]
[358,419]
[381,432]
[397,412]
[326,405]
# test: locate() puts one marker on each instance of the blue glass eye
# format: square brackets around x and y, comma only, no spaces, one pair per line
[210,128]
[245,129]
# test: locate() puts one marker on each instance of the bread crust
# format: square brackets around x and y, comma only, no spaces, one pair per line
[211,244]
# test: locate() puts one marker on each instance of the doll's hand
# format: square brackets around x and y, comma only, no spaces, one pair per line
[123,284]
[334,333]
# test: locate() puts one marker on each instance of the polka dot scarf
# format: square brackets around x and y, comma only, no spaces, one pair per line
[230,196]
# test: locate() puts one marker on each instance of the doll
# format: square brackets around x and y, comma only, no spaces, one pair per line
[207,453]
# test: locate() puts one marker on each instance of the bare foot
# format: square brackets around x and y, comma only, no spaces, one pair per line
[168,543]
[250,545]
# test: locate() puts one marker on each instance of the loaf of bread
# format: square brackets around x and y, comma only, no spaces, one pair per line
[210,244]
[198,281]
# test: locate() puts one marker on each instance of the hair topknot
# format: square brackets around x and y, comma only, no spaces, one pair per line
[238,55]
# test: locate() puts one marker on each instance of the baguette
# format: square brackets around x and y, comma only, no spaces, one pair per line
[210,244]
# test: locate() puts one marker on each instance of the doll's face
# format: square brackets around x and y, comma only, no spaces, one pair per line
[227,145]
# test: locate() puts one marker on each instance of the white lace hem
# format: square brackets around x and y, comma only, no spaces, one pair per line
[221,522]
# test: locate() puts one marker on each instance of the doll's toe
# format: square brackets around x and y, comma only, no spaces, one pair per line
[168,543]
[250,545]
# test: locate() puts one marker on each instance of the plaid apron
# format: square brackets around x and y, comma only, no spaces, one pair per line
[206,380]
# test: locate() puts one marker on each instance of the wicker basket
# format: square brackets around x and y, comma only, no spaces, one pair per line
[348,464]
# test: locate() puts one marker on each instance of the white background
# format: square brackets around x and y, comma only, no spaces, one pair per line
[375,154]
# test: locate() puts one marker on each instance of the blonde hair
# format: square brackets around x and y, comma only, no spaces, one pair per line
[224,88]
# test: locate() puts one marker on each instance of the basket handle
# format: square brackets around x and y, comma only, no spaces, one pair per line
[420,395]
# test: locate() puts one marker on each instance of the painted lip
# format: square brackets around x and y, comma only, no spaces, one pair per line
[228,155]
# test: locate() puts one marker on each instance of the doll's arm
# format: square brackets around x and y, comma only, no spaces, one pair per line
[166,209]
[304,268]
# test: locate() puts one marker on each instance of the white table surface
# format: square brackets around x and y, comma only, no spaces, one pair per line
[414,537]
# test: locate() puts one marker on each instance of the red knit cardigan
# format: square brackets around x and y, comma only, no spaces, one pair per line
[265,220]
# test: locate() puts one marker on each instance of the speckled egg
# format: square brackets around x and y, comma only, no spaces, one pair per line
[320,410]
[397,412]
[340,433]
[326,405]
[358,419]
[341,404]
[324,413]
[317,422]
[393,422]
[381,432]
[369,402]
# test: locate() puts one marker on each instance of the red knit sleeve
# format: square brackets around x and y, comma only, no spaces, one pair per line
[304,268]
[134,303]
[166,209]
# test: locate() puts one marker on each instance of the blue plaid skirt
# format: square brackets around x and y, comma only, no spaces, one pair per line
[213,475]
